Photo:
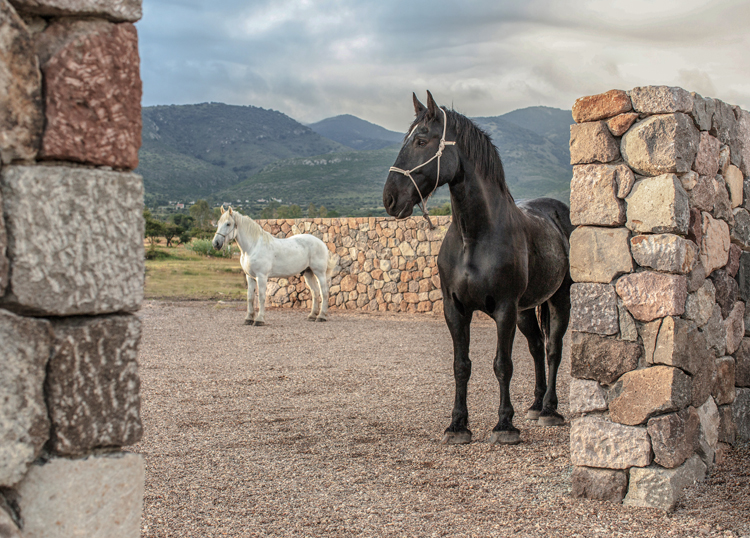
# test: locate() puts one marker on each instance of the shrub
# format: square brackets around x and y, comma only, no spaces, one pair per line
[205,248]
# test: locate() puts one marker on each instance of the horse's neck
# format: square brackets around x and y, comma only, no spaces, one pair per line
[245,239]
[481,206]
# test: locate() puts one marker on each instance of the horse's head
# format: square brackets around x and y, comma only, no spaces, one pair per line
[226,229]
[426,161]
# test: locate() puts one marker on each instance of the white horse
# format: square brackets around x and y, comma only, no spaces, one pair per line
[265,256]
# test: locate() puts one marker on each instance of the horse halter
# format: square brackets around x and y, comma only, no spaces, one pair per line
[437,156]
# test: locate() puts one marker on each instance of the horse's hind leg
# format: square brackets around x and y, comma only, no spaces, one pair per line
[559,309]
[322,285]
[260,319]
[250,317]
[312,285]
[529,326]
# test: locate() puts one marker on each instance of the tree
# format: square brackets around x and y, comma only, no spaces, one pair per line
[444,209]
[201,213]
[182,220]
[269,212]
[312,212]
[322,211]
[289,212]
[171,230]
[154,228]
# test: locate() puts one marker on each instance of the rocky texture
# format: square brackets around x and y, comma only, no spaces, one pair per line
[722,203]
[674,436]
[655,487]
[619,125]
[715,332]
[700,305]
[92,93]
[592,143]
[594,309]
[594,192]
[650,295]
[743,136]
[601,106]
[664,252]
[724,127]
[597,442]
[709,431]
[586,396]
[727,291]
[658,205]
[741,414]
[727,427]
[703,111]
[602,359]
[661,100]
[21,115]
[599,484]
[25,345]
[707,159]
[4,264]
[628,328]
[742,364]
[679,344]
[734,181]
[116,10]
[660,145]
[715,244]
[599,254]
[723,391]
[107,500]
[739,232]
[8,527]
[93,381]
[641,394]
[84,253]
[733,264]
[743,276]
[735,326]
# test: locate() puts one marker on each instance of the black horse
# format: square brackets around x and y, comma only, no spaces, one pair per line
[505,259]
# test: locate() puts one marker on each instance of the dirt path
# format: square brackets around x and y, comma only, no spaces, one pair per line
[333,429]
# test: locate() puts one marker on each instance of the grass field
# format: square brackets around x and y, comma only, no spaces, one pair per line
[178,273]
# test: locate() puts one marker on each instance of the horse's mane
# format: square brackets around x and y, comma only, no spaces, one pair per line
[477,145]
[251,228]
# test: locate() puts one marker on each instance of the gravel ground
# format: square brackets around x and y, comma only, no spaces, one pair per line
[333,429]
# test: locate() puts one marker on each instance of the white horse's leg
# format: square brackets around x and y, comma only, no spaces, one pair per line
[320,276]
[312,285]
[250,317]
[260,319]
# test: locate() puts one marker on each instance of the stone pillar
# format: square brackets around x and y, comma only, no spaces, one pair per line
[661,261]
[71,268]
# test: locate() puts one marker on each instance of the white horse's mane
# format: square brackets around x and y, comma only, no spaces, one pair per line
[248,226]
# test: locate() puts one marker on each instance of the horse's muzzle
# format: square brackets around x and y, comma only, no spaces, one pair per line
[217,243]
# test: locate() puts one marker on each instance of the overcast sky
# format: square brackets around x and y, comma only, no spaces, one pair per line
[316,59]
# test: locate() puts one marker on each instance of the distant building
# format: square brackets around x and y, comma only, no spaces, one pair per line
[179,206]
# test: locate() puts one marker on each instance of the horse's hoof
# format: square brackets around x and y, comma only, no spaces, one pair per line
[505,437]
[553,418]
[532,414]
[321,319]
[259,323]
[456,438]
[249,321]
[311,318]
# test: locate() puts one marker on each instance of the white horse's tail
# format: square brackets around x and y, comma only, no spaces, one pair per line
[333,260]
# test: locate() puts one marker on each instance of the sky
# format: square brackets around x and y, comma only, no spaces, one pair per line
[313,59]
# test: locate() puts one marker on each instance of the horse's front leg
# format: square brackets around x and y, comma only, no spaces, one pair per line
[505,318]
[312,285]
[323,283]
[260,319]
[459,323]
[250,317]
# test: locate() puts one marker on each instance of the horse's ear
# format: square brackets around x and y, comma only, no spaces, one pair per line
[432,106]
[230,210]
[418,107]
[222,209]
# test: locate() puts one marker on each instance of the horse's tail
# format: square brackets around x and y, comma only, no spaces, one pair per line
[333,260]
[543,317]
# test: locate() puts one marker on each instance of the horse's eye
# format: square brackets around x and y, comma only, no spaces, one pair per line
[421,142]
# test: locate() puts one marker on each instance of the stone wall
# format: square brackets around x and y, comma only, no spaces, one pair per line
[384,264]
[71,268]
[661,260]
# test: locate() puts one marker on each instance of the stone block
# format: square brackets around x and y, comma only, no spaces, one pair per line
[707,159]
[674,437]
[661,144]
[593,194]
[722,203]
[703,111]
[599,484]
[601,106]
[696,277]
[715,243]
[715,332]
[4,264]
[661,100]
[735,327]
[743,141]
[602,359]
[702,193]
[649,332]
[599,254]
[92,92]
[628,328]
[665,252]
[586,396]
[25,345]
[703,380]
[742,364]
[733,264]
[723,390]
[594,308]
[597,442]
[96,497]
[739,232]
[115,10]
[708,437]
[700,305]
[655,487]
[8,527]
[724,127]
[649,295]
[679,344]
[84,253]
[620,124]
[727,291]
[93,378]
[741,413]
[727,428]
[642,394]
[735,185]
[592,143]
[21,112]
[658,205]
[743,277]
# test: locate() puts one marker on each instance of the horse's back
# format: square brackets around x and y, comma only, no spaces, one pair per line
[554,210]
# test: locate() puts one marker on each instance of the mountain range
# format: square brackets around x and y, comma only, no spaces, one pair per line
[248,156]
